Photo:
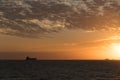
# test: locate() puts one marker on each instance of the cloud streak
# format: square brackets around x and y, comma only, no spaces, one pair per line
[37,18]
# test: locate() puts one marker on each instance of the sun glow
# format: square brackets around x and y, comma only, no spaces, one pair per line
[116,47]
[114,51]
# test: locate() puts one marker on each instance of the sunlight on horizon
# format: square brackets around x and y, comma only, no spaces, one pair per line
[113,51]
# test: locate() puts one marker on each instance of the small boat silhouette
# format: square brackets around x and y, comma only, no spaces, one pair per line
[28,58]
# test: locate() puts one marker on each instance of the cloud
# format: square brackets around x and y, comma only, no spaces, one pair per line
[104,43]
[37,18]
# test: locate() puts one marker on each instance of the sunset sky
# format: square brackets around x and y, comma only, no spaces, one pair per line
[64,29]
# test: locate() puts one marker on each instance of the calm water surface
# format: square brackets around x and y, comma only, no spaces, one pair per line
[59,70]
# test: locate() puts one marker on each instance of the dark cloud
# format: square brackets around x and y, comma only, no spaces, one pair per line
[37,18]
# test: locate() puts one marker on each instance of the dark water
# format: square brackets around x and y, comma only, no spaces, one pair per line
[59,70]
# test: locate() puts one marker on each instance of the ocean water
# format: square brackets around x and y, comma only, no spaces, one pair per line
[59,70]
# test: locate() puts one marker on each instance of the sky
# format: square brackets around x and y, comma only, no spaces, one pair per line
[60,30]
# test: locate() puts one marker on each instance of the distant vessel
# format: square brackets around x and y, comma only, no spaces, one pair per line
[28,58]
[107,59]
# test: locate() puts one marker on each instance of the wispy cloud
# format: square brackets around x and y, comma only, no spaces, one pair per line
[106,42]
[37,18]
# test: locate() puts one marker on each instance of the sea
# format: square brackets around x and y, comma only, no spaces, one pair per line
[59,70]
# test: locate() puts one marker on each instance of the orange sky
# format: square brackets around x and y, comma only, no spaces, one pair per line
[60,29]
[68,44]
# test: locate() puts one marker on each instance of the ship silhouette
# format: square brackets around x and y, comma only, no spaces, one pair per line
[29,58]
